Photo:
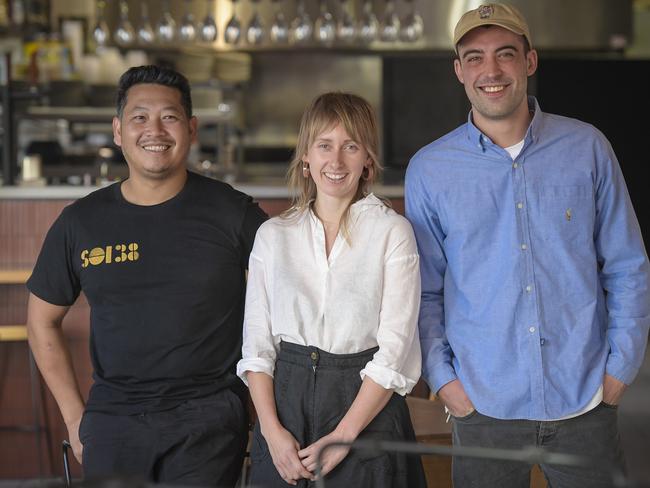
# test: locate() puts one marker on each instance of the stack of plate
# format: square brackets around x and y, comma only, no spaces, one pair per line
[232,67]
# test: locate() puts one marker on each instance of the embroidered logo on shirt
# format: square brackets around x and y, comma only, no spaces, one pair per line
[119,253]
[567,214]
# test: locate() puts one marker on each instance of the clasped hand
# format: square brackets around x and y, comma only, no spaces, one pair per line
[294,463]
[284,451]
[330,458]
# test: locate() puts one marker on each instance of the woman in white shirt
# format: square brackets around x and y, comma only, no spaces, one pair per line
[330,337]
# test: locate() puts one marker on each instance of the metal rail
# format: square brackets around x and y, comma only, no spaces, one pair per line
[532,455]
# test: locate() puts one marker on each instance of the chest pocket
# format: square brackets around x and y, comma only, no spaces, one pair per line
[565,212]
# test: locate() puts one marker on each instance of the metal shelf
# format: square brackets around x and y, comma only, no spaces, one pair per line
[224,113]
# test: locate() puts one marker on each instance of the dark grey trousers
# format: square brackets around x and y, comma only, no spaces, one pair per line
[313,391]
[201,442]
[593,435]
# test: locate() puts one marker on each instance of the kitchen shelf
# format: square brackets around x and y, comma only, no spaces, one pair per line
[338,47]
[14,276]
[106,114]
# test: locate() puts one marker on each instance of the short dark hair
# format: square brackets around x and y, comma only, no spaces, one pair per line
[154,75]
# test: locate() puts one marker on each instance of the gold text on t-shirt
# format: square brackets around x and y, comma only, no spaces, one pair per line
[119,253]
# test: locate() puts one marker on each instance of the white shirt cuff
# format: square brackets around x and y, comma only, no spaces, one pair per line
[256,365]
[388,378]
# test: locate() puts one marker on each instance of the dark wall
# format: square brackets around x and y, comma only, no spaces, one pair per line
[614,96]
[423,100]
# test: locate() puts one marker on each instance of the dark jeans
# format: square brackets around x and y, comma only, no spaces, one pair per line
[200,442]
[593,435]
[313,391]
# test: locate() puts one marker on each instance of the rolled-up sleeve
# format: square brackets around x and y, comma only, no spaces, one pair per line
[258,347]
[397,364]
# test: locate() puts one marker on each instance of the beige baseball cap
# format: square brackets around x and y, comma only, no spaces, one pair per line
[500,14]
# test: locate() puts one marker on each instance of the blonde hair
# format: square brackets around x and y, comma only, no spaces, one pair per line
[325,112]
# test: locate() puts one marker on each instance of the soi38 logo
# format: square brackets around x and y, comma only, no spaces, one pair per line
[119,253]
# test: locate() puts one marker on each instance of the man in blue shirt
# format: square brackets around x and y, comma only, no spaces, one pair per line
[535,280]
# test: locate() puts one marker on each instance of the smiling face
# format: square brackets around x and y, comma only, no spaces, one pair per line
[336,163]
[154,132]
[494,68]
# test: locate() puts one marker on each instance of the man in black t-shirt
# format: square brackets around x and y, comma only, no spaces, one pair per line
[161,258]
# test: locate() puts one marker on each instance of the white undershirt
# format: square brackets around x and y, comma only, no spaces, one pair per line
[593,403]
[515,149]
[365,294]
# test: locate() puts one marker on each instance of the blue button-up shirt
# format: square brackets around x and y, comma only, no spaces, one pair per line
[535,279]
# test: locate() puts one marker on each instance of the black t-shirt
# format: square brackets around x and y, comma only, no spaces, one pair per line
[165,284]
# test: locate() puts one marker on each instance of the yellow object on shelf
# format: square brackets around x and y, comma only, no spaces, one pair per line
[14,276]
[13,333]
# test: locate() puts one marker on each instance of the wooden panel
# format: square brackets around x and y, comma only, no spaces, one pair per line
[13,304]
[437,469]
[23,225]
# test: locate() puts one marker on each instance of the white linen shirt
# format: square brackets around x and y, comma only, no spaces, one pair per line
[366,294]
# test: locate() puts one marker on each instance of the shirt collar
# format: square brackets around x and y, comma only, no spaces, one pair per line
[479,140]
[356,208]
[367,201]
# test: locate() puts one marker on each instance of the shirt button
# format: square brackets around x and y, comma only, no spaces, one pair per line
[529,288]
[520,205]
[542,341]
[531,330]
[515,165]
[524,247]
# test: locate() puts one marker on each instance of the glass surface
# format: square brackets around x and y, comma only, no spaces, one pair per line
[280,27]
[145,31]
[325,27]
[255,29]
[368,25]
[208,28]
[187,30]
[101,34]
[232,33]
[302,28]
[166,28]
[412,25]
[346,29]
[389,27]
[124,33]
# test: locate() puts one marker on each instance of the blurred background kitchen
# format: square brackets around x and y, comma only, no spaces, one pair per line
[253,66]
